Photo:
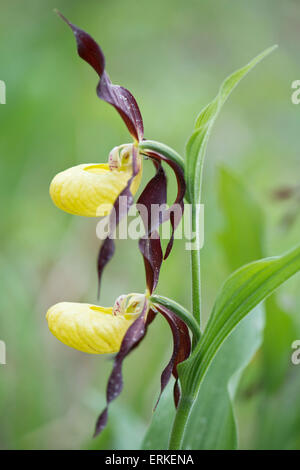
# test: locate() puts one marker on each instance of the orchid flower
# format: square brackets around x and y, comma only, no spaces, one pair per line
[91,189]
[119,329]
[93,329]
[95,189]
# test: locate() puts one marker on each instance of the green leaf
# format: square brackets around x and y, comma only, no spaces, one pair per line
[243,291]
[196,145]
[212,423]
[280,331]
[158,433]
[241,239]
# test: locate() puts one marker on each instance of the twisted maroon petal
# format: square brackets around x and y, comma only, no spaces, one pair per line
[120,98]
[175,212]
[154,196]
[151,203]
[106,252]
[181,350]
[119,211]
[131,340]
[150,247]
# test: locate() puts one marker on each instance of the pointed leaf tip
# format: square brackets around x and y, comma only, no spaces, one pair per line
[197,143]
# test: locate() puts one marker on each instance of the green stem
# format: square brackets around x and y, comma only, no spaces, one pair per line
[194,322]
[164,150]
[186,403]
[195,263]
[168,152]
[182,414]
[181,312]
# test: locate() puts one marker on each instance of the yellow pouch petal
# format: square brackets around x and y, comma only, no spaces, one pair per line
[87,327]
[90,189]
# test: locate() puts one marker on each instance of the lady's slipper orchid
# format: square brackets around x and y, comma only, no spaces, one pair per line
[134,335]
[91,189]
[93,329]
[153,257]
[94,189]
[118,329]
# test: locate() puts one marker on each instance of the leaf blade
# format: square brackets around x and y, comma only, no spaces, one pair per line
[197,143]
[212,423]
[242,291]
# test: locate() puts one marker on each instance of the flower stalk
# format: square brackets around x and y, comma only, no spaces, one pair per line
[186,402]
[163,149]
[181,417]
[181,312]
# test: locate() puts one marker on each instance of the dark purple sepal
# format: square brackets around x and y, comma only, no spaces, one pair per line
[174,220]
[181,350]
[120,210]
[125,103]
[120,98]
[131,340]
[175,212]
[106,252]
[150,247]
[154,194]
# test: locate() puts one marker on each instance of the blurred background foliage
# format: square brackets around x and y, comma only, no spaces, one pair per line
[173,56]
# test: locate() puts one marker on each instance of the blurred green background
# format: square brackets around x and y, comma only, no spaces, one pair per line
[173,56]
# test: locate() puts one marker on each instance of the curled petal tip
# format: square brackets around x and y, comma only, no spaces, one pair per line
[58,13]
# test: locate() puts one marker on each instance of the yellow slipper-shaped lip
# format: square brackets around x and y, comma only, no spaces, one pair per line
[88,328]
[90,189]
